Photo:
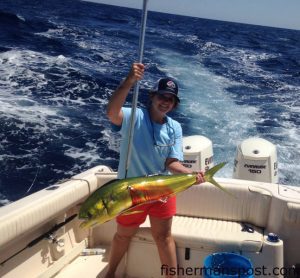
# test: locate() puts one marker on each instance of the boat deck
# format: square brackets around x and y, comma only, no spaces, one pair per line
[89,266]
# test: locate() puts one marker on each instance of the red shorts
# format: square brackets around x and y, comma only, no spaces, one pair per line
[156,209]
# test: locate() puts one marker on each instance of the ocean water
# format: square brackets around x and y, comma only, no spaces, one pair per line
[61,60]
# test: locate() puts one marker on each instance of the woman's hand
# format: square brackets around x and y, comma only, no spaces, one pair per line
[117,100]
[136,73]
[200,177]
[174,166]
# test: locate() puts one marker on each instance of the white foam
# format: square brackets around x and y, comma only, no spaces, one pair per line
[88,154]
[21,17]
[213,113]
[208,106]
[3,200]
[20,73]
[112,139]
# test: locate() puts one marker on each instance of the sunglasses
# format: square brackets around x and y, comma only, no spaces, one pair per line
[166,98]
[171,133]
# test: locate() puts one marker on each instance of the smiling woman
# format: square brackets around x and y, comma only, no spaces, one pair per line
[59,62]
[164,97]
[156,148]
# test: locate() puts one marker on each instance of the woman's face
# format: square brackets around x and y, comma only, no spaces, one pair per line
[163,103]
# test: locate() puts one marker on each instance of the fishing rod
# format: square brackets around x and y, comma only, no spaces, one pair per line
[136,88]
[43,152]
[48,235]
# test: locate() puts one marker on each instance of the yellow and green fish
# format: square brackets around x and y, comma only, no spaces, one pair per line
[123,196]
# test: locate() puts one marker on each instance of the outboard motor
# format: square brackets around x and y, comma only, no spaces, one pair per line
[198,153]
[256,160]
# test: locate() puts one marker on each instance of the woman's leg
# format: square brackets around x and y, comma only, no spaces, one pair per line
[119,247]
[161,231]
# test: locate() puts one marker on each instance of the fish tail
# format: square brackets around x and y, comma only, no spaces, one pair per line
[215,169]
[208,176]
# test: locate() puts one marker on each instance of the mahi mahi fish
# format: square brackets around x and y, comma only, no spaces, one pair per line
[121,197]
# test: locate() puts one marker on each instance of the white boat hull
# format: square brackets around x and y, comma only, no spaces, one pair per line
[207,221]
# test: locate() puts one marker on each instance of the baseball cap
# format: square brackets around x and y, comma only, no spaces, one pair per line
[166,86]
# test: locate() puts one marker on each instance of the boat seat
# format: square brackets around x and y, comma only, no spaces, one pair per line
[227,223]
[220,224]
[210,234]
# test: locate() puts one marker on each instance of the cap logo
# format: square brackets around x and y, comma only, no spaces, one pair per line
[171,84]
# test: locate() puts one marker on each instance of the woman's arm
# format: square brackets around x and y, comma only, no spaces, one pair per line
[117,100]
[175,167]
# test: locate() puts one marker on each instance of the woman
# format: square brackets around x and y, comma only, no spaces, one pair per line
[157,148]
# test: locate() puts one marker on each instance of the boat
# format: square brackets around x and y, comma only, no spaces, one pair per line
[41,237]
[40,234]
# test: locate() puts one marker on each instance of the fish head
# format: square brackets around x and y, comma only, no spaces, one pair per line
[88,223]
[93,214]
[92,220]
